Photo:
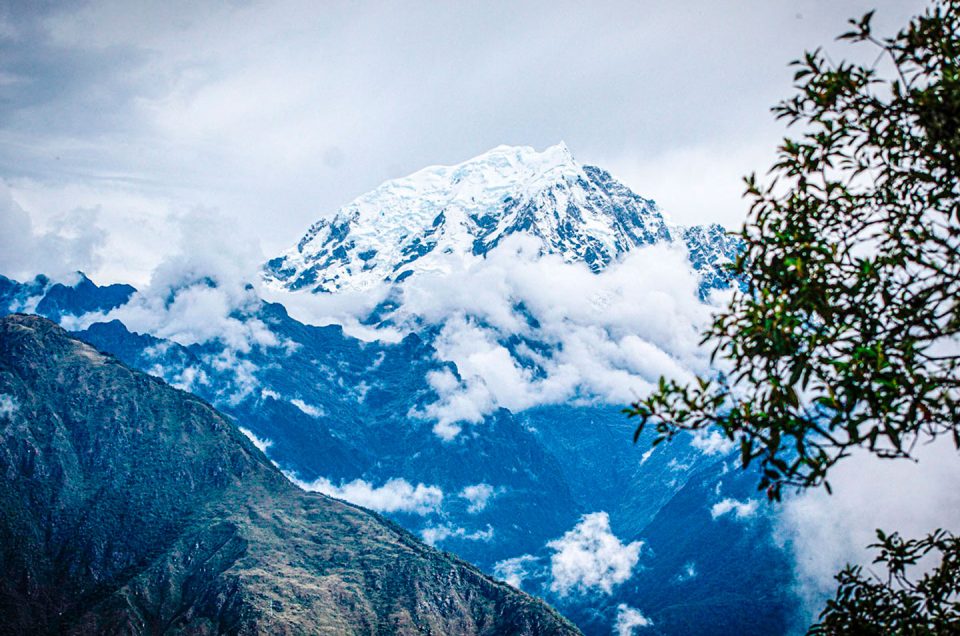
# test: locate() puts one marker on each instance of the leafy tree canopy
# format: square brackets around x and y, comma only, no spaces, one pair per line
[899,603]
[847,334]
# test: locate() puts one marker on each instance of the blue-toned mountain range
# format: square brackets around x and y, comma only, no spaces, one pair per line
[550,495]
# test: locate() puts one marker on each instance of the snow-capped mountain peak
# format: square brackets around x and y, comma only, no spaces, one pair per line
[443,216]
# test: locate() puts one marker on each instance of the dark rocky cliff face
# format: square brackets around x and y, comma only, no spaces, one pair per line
[127,506]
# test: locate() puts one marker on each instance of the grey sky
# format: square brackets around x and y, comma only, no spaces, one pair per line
[270,115]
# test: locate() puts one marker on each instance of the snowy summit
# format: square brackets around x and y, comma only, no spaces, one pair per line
[446,215]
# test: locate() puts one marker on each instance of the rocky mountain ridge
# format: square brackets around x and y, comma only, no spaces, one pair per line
[131,507]
[329,407]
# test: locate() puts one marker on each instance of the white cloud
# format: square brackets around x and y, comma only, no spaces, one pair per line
[712,442]
[432,535]
[226,373]
[825,532]
[312,411]
[244,381]
[395,495]
[740,509]
[189,378]
[479,495]
[687,572]
[261,443]
[513,571]
[73,243]
[204,292]
[590,557]
[719,170]
[602,342]
[343,308]
[628,620]
[445,430]
[139,229]
[207,291]
[8,405]
[646,456]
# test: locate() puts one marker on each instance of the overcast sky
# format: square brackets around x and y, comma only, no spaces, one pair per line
[267,116]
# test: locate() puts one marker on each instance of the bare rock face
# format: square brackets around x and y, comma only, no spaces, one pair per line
[129,507]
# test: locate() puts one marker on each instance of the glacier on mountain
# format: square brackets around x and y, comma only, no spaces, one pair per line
[444,218]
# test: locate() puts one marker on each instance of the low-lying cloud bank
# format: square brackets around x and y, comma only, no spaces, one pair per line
[738,509]
[261,443]
[204,292]
[590,557]
[395,495]
[525,329]
[629,619]
[522,329]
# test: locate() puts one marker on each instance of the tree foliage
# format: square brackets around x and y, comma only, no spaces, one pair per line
[846,334]
[899,603]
